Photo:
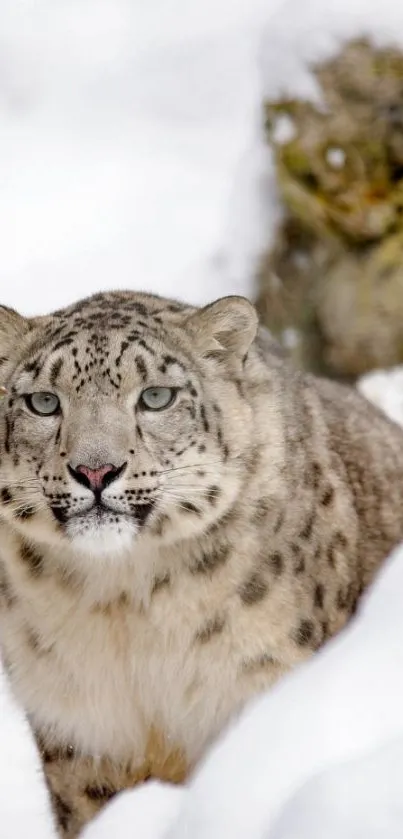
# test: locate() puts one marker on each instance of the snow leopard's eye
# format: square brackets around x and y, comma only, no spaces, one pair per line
[43,403]
[157,398]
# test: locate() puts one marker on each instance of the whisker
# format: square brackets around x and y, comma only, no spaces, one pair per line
[184,496]
[196,489]
[172,493]
[27,498]
[21,482]
[199,465]
[183,507]
[20,508]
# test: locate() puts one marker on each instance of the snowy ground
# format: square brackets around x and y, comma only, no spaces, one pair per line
[131,156]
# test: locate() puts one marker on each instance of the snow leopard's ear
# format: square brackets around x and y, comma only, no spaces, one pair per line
[13,328]
[227,326]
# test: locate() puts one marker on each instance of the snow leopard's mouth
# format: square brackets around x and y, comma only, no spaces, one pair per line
[102,514]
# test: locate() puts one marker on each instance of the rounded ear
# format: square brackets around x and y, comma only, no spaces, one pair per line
[227,326]
[13,328]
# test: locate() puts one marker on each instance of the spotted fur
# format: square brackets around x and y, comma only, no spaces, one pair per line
[236,534]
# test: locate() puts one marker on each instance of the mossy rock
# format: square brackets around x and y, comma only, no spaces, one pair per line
[359,306]
[333,275]
[286,302]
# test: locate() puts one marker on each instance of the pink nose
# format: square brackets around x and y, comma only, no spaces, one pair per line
[95,477]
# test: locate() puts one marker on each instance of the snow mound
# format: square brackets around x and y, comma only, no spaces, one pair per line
[385,389]
[302,33]
[24,804]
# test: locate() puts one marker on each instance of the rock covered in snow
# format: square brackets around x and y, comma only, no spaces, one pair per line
[338,155]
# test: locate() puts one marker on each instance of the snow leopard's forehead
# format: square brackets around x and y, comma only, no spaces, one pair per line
[120,307]
[97,340]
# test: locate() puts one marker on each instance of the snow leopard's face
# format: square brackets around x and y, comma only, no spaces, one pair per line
[122,419]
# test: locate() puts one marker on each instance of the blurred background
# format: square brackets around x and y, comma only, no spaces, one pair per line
[200,149]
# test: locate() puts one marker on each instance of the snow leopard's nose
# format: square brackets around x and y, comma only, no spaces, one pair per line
[96,479]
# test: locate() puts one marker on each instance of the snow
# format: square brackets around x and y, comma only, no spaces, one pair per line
[148,815]
[304,32]
[131,152]
[132,156]
[23,797]
[336,157]
[385,389]
[361,797]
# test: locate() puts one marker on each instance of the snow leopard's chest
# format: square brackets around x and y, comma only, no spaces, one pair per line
[105,680]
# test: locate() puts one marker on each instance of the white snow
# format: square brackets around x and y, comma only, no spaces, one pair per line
[147,816]
[23,798]
[131,155]
[385,389]
[336,157]
[353,799]
[131,152]
[304,32]
[284,129]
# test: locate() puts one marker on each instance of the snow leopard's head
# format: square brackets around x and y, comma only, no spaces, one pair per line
[124,419]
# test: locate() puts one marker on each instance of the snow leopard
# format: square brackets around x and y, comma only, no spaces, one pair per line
[184,518]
